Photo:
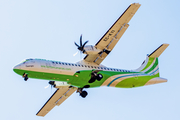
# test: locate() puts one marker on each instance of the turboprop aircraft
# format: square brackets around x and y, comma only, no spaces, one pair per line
[90,73]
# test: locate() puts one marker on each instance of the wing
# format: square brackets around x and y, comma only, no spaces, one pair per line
[112,36]
[59,96]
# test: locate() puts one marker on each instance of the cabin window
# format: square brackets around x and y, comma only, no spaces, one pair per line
[91,66]
[59,62]
[72,64]
[82,65]
[88,66]
[98,68]
[79,65]
[69,64]
[107,68]
[94,67]
[56,62]
[62,63]
[52,62]
[85,66]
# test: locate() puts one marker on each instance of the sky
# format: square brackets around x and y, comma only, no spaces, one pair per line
[47,29]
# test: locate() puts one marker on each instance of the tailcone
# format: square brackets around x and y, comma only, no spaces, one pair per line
[156,81]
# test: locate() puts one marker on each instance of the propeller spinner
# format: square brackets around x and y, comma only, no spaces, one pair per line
[81,46]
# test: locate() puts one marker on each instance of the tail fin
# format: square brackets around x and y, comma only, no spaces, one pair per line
[150,65]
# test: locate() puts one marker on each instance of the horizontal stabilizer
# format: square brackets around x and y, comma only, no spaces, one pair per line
[158,51]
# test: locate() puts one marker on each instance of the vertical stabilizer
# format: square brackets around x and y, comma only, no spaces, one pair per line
[150,65]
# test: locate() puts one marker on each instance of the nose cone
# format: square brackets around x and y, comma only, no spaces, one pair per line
[16,68]
[156,81]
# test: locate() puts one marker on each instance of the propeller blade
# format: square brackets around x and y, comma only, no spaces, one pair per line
[75,53]
[81,46]
[81,40]
[85,44]
[46,87]
[76,44]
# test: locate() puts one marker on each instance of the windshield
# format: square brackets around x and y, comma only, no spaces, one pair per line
[23,61]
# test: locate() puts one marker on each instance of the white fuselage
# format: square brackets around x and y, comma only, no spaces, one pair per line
[48,66]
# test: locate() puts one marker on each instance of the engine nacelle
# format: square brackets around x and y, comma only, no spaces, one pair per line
[89,49]
[58,84]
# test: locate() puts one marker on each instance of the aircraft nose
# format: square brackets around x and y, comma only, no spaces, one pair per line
[17,67]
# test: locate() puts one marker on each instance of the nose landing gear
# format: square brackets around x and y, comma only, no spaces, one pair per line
[25,76]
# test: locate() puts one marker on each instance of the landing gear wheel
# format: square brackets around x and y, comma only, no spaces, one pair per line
[83,94]
[25,76]
[99,77]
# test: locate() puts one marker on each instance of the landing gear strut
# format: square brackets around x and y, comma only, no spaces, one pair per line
[25,76]
[82,92]
[95,76]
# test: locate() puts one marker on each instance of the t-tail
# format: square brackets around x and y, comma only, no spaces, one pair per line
[150,65]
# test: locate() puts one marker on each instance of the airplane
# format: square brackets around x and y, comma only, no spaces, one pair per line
[89,72]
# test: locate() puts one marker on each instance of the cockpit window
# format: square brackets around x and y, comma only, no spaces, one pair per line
[26,60]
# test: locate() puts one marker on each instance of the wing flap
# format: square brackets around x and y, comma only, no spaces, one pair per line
[66,95]
[59,96]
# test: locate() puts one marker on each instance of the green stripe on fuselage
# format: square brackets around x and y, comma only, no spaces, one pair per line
[85,75]
[44,75]
[134,81]
[154,66]
[150,61]
[82,78]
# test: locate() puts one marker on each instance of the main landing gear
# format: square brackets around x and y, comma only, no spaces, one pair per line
[82,92]
[25,76]
[95,76]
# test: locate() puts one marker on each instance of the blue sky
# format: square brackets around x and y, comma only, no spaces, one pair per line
[47,29]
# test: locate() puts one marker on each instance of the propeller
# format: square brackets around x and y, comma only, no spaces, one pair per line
[81,46]
[46,87]
[51,83]
[75,53]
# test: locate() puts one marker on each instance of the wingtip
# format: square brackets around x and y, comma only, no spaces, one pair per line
[135,4]
[159,50]
[165,44]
